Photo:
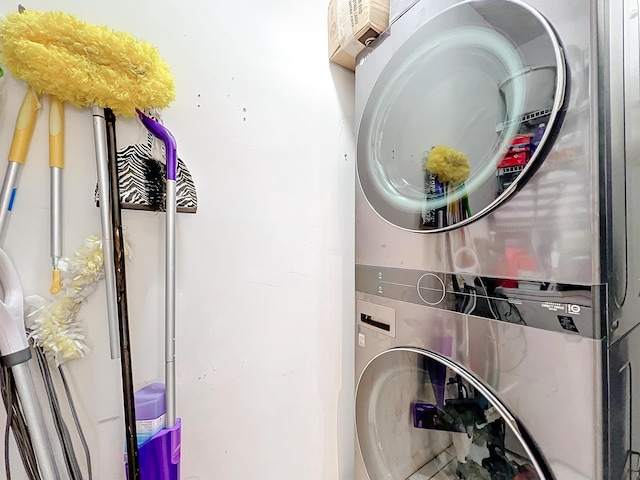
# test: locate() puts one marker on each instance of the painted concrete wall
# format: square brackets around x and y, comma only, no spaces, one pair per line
[265,305]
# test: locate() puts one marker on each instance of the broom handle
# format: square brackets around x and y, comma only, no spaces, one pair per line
[128,397]
[165,135]
[170,301]
[56,164]
[99,133]
[35,421]
[25,124]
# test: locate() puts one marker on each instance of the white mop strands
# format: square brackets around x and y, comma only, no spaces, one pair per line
[54,325]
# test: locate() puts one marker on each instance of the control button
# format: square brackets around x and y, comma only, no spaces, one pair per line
[431,289]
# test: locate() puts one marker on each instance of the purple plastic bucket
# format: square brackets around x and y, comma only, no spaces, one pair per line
[159,457]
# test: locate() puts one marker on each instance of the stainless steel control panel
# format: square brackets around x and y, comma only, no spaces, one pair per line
[550,306]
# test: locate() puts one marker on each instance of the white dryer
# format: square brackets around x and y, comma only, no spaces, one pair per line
[496,334]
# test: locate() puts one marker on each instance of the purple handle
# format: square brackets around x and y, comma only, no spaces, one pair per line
[160,131]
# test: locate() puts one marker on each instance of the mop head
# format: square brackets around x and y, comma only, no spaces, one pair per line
[84,64]
[447,164]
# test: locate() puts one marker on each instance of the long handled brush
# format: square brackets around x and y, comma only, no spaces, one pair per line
[91,66]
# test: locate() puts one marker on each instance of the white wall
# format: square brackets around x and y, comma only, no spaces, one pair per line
[266,265]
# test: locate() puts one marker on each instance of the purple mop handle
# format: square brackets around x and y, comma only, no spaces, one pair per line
[160,131]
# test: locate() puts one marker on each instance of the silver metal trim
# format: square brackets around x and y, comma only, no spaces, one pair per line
[559,99]
[616,137]
[570,309]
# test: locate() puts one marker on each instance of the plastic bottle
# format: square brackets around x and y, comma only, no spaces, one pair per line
[150,411]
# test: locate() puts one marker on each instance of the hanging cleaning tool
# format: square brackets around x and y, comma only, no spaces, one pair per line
[142,177]
[102,68]
[25,124]
[56,164]
[160,456]
[120,273]
[165,135]
[54,325]
[85,64]
[91,66]
[102,167]
[142,180]
[14,354]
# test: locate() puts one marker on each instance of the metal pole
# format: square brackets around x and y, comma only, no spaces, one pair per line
[56,215]
[118,267]
[7,195]
[102,166]
[161,132]
[35,421]
[56,164]
[25,124]
[170,305]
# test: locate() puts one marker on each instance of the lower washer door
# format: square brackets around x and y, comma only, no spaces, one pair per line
[421,416]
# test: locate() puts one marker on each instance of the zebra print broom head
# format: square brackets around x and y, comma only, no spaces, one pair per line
[142,181]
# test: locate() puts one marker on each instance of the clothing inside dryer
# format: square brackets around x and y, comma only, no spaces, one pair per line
[459,114]
[417,418]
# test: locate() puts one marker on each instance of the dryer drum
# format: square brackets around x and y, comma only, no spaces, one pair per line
[486,79]
[540,85]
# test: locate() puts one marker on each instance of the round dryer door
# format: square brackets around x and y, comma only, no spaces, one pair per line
[461,115]
[421,416]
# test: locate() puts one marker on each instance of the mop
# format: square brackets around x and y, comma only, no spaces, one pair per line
[160,456]
[102,69]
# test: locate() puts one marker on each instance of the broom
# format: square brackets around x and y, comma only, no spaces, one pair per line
[102,69]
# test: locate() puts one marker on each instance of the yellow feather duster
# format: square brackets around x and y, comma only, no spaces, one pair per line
[447,164]
[53,325]
[84,64]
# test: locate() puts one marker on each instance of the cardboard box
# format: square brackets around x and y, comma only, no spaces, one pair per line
[352,25]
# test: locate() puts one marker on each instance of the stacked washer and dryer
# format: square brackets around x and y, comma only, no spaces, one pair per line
[497,313]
